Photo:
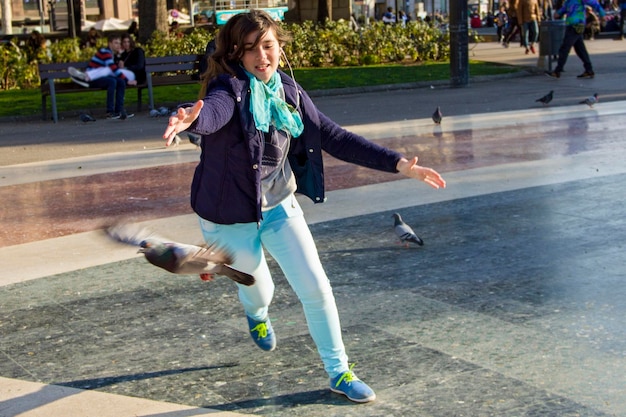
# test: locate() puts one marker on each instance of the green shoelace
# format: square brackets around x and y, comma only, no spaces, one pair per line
[347,376]
[261,328]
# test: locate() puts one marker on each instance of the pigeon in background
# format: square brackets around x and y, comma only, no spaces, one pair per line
[590,101]
[86,118]
[154,113]
[164,111]
[195,139]
[404,232]
[179,258]
[437,116]
[547,98]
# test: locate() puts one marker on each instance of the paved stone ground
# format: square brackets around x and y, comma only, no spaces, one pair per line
[513,307]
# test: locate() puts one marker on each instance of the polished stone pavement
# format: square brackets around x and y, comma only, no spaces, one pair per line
[514,306]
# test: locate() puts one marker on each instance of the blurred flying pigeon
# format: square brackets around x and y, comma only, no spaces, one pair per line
[179,258]
[404,232]
[437,116]
[84,117]
[195,139]
[546,99]
[590,101]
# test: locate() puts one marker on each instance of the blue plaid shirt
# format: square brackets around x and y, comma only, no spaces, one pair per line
[575,10]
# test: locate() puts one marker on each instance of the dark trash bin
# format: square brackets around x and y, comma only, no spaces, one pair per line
[551,33]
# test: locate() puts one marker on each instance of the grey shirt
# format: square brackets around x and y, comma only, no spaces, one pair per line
[277,180]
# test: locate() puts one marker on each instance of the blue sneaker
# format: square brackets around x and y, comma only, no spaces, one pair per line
[352,387]
[262,333]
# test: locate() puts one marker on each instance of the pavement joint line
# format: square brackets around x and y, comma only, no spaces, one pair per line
[383,130]
[94,165]
[88,249]
[120,161]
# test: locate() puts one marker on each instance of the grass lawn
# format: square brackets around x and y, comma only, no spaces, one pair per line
[28,102]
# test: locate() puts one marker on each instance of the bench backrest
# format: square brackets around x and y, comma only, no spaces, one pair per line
[58,70]
[173,63]
[160,64]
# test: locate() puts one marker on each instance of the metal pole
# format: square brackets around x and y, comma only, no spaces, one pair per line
[71,22]
[42,19]
[191,13]
[432,14]
[459,40]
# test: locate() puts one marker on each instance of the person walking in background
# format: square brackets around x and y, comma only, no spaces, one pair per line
[502,20]
[528,16]
[354,25]
[262,141]
[513,27]
[475,21]
[389,17]
[622,17]
[574,29]
[402,18]
[547,8]
[103,72]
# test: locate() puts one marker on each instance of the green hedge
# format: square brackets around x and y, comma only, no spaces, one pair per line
[314,45]
[335,44]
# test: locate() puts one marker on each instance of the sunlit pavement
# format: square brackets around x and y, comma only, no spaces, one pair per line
[513,307]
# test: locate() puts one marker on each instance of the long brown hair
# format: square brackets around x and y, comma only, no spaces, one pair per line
[230,45]
[128,36]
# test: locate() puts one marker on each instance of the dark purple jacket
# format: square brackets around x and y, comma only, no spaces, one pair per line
[226,186]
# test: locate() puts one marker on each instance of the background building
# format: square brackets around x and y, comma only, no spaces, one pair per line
[51,15]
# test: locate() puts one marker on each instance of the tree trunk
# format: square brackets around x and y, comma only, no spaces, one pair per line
[74,13]
[7,17]
[152,16]
[324,10]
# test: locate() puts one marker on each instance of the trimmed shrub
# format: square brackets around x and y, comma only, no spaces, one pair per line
[314,45]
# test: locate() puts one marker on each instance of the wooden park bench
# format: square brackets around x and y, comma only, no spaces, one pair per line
[160,71]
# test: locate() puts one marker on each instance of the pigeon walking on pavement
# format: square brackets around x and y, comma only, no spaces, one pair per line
[590,101]
[404,232]
[195,139]
[437,116]
[179,258]
[85,118]
[546,99]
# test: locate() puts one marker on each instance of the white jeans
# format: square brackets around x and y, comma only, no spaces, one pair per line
[285,235]
[101,72]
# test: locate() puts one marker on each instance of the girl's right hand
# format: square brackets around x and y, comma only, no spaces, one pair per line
[181,121]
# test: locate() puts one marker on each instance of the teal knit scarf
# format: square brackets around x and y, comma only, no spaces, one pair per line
[267,107]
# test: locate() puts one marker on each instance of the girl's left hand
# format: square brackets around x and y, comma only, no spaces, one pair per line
[410,169]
